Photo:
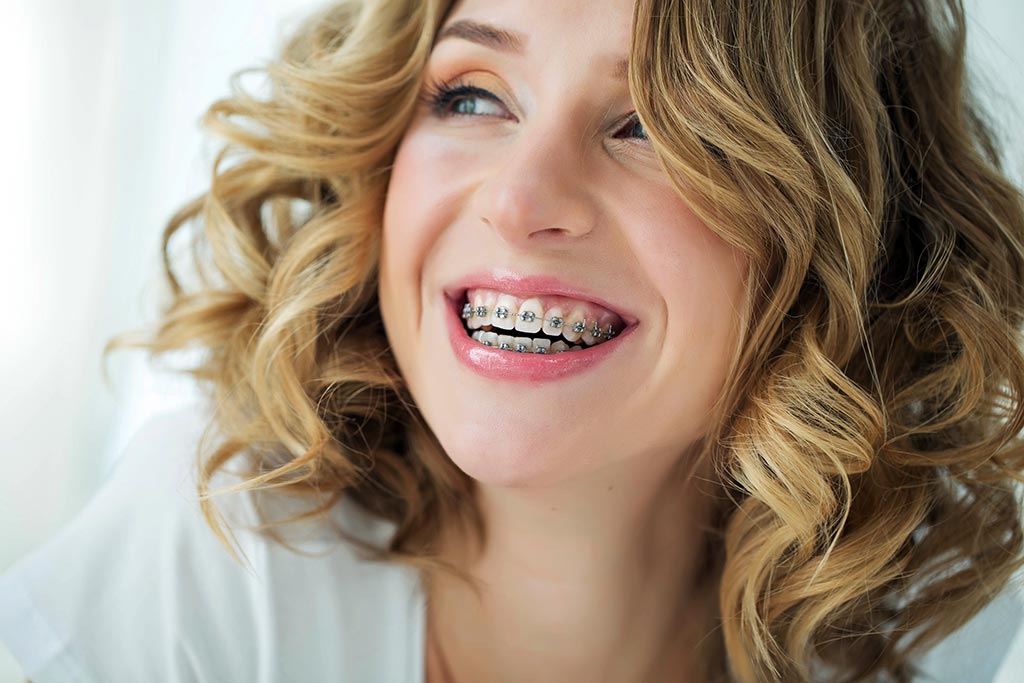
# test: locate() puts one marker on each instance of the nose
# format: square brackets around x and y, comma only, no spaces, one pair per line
[539,191]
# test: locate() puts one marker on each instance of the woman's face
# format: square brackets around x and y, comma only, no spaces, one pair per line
[530,188]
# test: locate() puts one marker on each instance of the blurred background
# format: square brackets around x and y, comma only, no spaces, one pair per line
[101,143]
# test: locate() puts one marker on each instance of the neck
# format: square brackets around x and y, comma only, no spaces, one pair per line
[593,580]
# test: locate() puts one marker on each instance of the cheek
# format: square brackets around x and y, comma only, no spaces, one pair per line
[700,281]
[698,274]
[409,219]
[424,183]
[408,189]
[420,203]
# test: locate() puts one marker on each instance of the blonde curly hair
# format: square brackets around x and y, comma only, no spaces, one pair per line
[867,445]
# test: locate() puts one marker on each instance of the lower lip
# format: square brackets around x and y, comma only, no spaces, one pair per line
[532,368]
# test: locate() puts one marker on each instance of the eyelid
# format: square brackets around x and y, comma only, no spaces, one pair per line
[632,118]
[438,94]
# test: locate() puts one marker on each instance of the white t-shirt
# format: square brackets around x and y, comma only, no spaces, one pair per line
[138,588]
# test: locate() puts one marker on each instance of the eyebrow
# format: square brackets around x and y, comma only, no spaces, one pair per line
[504,40]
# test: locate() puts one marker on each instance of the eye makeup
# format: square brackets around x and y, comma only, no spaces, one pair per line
[444,97]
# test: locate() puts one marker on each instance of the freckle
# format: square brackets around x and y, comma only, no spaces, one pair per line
[611,487]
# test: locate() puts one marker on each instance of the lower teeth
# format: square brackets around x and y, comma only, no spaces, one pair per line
[521,344]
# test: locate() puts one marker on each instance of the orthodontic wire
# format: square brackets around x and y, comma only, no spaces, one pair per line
[469,311]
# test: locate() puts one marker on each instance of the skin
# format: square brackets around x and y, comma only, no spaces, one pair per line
[592,560]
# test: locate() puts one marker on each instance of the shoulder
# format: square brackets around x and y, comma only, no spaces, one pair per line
[138,587]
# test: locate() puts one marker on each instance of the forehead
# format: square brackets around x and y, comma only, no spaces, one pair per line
[599,26]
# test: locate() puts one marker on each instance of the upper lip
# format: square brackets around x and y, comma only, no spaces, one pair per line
[523,285]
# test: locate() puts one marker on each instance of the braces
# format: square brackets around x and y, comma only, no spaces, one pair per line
[520,348]
[468,311]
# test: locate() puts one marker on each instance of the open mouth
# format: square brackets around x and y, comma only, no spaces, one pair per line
[533,339]
[541,325]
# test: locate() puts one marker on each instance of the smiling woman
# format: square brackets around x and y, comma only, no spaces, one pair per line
[574,341]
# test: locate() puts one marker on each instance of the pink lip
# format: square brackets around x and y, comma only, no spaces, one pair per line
[527,285]
[530,368]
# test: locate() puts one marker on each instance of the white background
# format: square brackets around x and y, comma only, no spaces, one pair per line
[100,144]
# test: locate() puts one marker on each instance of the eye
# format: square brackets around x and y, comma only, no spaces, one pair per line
[455,98]
[634,127]
[459,98]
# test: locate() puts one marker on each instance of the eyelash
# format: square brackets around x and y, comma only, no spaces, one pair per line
[439,96]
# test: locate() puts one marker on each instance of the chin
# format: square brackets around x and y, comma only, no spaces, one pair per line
[505,463]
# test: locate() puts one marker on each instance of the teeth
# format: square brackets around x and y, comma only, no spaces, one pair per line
[554,321]
[504,312]
[523,344]
[490,312]
[600,330]
[483,309]
[529,316]
[576,322]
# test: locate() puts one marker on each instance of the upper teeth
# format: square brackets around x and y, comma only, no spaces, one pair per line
[574,320]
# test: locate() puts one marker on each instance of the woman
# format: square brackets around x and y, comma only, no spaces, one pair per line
[668,341]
